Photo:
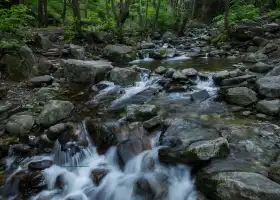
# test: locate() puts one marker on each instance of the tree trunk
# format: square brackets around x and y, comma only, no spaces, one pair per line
[147,7]
[63,15]
[183,25]
[157,13]
[107,8]
[40,13]
[226,22]
[77,15]
[140,14]
[45,13]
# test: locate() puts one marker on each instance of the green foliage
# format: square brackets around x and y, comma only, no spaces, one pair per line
[274,14]
[238,13]
[14,26]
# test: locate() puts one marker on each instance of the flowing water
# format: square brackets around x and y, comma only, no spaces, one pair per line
[143,177]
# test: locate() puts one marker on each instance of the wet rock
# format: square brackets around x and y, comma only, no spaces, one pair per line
[45,143]
[168,37]
[142,188]
[247,32]
[255,57]
[119,53]
[38,81]
[21,149]
[190,72]
[98,174]
[238,185]
[32,183]
[259,41]
[241,96]
[151,123]
[3,91]
[54,132]
[77,52]
[140,112]
[161,70]
[22,66]
[104,84]
[129,148]
[203,76]
[45,66]
[43,42]
[169,73]
[271,27]
[40,165]
[269,86]
[208,149]
[219,76]
[54,111]
[179,75]
[124,76]
[46,93]
[260,67]
[19,124]
[78,71]
[236,80]
[147,45]
[200,95]
[274,72]
[102,136]
[269,48]
[171,141]
[271,107]
[177,88]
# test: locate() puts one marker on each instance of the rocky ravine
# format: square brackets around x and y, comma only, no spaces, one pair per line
[229,160]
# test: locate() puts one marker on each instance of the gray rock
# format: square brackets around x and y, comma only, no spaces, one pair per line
[39,80]
[200,95]
[271,27]
[161,70]
[260,67]
[236,80]
[168,36]
[104,84]
[241,96]
[259,41]
[78,71]
[179,75]
[169,73]
[247,32]
[147,45]
[219,76]
[43,42]
[140,112]
[238,185]
[269,86]
[55,131]
[45,66]
[54,111]
[153,122]
[208,149]
[3,91]
[271,107]
[124,76]
[204,76]
[19,124]
[47,93]
[119,53]
[22,66]
[255,57]
[190,72]
[77,52]
[274,72]
[269,48]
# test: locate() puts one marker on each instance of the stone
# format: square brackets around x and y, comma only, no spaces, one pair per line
[190,72]
[269,48]
[218,77]
[203,76]
[168,37]
[247,32]
[43,42]
[271,27]
[261,116]
[255,57]
[21,66]
[246,113]
[124,76]
[161,70]
[267,107]
[140,112]
[54,111]
[147,45]
[46,93]
[104,84]
[269,86]
[98,174]
[45,66]
[179,75]
[151,123]
[20,124]
[274,72]
[169,73]
[54,132]
[3,91]
[241,96]
[260,67]
[40,165]
[40,80]
[87,72]
[77,52]
[208,149]
[236,80]
[119,53]
[200,95]
[238,185]
[259,41]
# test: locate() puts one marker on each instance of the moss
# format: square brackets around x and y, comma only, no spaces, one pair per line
[162,52]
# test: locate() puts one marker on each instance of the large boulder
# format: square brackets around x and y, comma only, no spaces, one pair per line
[241,96]
[218,77]
[238,185]
[38,81]
[54,111]
[236,80]
[19,124]
[269,86]
[247,32]
[43,42]
[269,48]
[124,76]
[255,57]
[22,65]
[271,107]
[141,112]
[119,53]
[78,71]
[274,72]
[260,67]
[77,52]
